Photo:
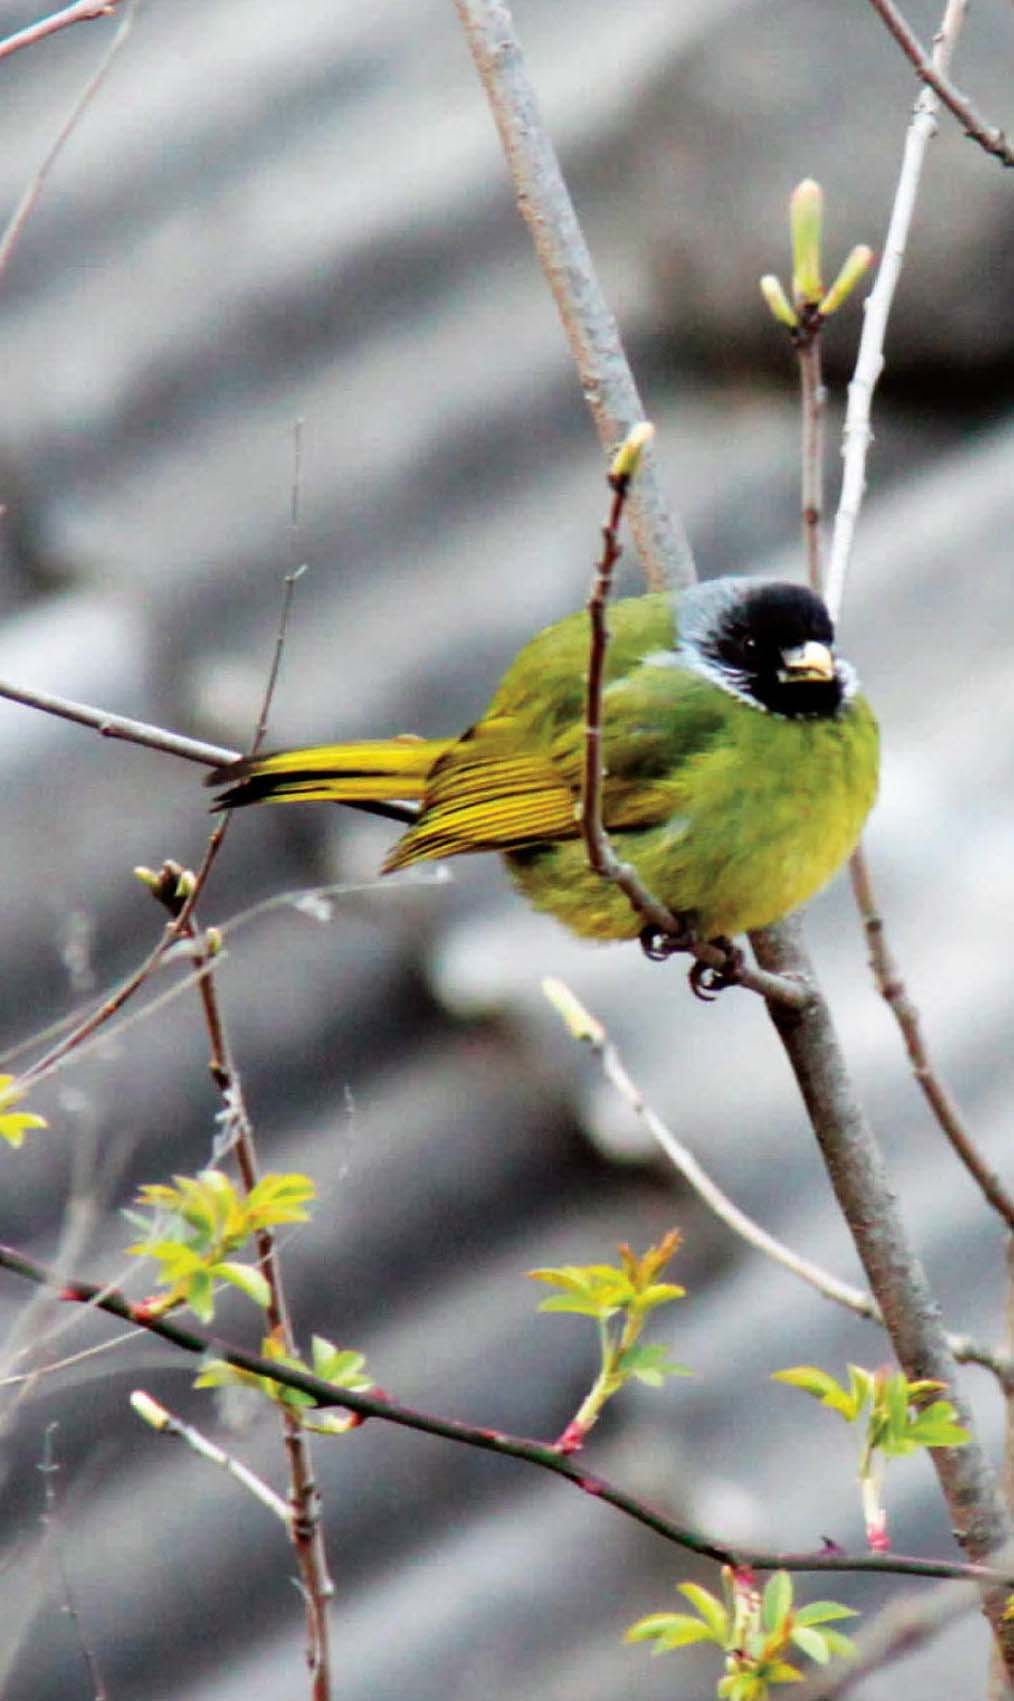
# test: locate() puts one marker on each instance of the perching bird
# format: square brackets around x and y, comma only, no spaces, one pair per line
[740,763]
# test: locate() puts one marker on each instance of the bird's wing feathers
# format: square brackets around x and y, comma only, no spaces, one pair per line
[491,792]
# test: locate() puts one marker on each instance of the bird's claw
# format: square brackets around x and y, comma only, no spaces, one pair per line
[707,980]
[658,945]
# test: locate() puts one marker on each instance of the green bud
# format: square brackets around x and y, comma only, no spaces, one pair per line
[579,1022]
[778,302]
[627,458]
[806,220]
[856,265]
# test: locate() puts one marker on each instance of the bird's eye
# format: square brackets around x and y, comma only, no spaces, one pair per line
[749,646]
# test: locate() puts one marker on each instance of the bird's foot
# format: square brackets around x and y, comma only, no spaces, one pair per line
[707,980]
[659,945]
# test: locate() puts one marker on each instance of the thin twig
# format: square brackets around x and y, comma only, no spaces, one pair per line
[292,578]
[892,989]
[115,1000]
[857,435]
[590,327]
[811,395]
[989,136]
[546,1457]
[50,1469]
[35,32]
[305,1526]
[861,1182]
[120,726]
[165,1423]
[81,12]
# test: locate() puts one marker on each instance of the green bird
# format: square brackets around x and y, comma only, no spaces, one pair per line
[740,763]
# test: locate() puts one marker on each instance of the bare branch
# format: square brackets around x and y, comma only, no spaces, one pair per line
[35,32]
[586,1027]
[870,360]
[895,994]
[590,327]
[989,136]
[120,726]
[811,391]
[153,1413]
[81,12]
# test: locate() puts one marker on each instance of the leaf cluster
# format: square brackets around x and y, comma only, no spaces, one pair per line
[200,1221]
[340,1366]
[755,1631]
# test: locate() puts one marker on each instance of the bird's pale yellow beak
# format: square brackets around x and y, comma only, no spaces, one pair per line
[811,661]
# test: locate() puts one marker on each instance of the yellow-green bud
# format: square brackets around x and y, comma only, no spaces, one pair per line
[778,302]
[806,219]
[627,458]
[857,264]
[149,1410]
[579,1022]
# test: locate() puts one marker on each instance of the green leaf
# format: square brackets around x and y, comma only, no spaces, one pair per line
[280,1199]
[937,1426]
[838,1644]
[711,1609]
[342,1366]
[812,1643]
[821,1386]
[777,1600]
[15,1123]
[660,1293]
[200,1296]
[581,1307]
[216,1373]
[822,1612]
[250,1281]
[669,1630]
[650,1364]
[782,1672]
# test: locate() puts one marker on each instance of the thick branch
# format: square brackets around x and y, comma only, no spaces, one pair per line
[590,327]
[863,1188]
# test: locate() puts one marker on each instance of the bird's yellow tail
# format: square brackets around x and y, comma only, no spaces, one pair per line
[380,770]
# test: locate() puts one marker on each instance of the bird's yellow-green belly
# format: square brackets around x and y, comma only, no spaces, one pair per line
[757,827]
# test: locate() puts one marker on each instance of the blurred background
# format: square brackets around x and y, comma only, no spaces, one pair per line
[301,213]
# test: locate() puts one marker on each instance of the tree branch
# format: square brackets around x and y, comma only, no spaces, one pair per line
[582,1025]
[82,12]
[892,989]
[590,327]
[857,435]
[326,1395]
[989,136]
[863,1188]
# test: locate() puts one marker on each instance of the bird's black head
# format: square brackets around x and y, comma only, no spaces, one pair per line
[771,644]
